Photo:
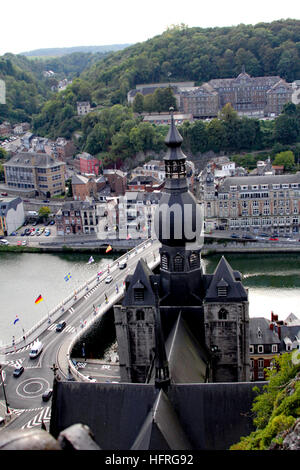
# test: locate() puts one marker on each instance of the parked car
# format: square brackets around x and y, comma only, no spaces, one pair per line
[108,279]
[47,232]
[24,242]
[47,394]
[248,237]
[60,326]
[234,235]
[4,242]
[18,371]
[122,265]
[273,239]
[45,200]
[52,222]
[33,232]
[4,194]
[14,234]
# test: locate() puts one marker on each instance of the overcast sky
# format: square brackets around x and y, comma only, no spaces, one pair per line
[35,24]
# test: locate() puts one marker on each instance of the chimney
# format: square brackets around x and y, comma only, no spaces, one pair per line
[274,318]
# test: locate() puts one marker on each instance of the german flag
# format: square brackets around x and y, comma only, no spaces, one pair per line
[109,248]
[38,300]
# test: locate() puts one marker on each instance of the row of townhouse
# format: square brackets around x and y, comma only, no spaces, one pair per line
[253,203]
[270,338]
[122,217]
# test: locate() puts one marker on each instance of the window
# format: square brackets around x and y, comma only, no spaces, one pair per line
[140,315]
[178,263]
[194,260]
[138,294]
[164,261]
[223,314]
[260,348]
[251,349]
[261,363]
[274,348]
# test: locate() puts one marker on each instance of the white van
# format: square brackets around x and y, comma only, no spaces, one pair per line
[36,349]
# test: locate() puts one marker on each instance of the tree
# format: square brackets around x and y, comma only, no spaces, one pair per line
[44,212]
[138,103]
[286,159]
[287,128]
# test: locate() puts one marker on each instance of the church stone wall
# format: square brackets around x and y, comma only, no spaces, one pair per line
[136,341]
[227,335]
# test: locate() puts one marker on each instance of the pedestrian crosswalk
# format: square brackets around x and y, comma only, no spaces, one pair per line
[42,417]
[87,295]
[16,363]
[67,329]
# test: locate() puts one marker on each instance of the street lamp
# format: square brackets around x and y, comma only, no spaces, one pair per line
[4,392]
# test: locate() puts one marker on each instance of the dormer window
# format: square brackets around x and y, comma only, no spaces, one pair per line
[138,292]
[222,288]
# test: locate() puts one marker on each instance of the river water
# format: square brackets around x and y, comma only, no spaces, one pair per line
[273,282]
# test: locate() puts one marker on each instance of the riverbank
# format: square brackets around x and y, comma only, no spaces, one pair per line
[211,247]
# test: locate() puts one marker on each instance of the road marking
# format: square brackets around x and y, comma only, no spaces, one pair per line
[43,416]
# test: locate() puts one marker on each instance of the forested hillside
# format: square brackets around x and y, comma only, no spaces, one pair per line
[199,54]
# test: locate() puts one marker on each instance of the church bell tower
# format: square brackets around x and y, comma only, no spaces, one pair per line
[178,225]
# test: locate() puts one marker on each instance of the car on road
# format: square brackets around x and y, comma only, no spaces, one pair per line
[91,379]
[60,326]
[248,237]
[47,394]
[4,194]
[4,241]
[108,279]
[122,265]
[234,235]
[46,200]
[47,232]
[291,240]
[265,235]
[52,222]
[273,239]
[24,242]
[18,371]
[14,234]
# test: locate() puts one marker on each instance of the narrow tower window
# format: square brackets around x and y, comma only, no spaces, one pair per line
[178,263]
[164,261]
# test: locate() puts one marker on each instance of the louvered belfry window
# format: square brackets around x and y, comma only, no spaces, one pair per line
[194,260]
[138,295]
[164,261]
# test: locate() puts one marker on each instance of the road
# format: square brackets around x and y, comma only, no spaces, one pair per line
[24,394]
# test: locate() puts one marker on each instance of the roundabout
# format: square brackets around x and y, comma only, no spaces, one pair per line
[32,388]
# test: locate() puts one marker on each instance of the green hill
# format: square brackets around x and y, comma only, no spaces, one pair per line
[62,51]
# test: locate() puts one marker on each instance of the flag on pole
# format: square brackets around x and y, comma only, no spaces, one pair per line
[99,273]
[91,260]
[38,300]
[128,237]
[109,248]
[16,319]
[67,277]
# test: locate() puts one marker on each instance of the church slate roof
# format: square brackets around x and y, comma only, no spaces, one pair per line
[261,333]
[142,277]
[225,274]
[187,358]
[128,416]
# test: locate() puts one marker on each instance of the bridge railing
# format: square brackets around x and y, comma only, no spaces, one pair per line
[58,308]
[115,298]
